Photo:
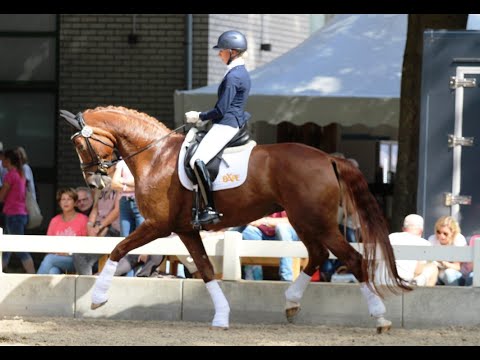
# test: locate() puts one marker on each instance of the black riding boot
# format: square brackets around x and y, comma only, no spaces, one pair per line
[208,215]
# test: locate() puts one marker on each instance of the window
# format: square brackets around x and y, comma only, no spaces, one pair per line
[388,153]
[28,96]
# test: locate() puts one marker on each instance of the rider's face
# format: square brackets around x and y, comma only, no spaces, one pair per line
[224,55]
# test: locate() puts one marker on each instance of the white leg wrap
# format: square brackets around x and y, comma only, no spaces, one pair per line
[295,291]
[375,304]
[104,280]
[222,309]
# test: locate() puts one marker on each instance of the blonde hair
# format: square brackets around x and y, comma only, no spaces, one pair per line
[23,154]
[451,223]
[243,55]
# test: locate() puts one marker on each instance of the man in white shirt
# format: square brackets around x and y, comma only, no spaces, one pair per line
[421,273]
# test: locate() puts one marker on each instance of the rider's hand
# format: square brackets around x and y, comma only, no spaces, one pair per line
[201,123]
[192,116]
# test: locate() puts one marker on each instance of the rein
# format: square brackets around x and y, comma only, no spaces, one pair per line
[153,143]
[87,133]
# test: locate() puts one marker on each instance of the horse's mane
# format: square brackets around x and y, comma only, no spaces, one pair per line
[130,113]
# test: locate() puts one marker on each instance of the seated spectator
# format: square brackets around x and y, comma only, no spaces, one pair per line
[273,227]
[130,219]
[348,225]
[68,223]
[467,267]
[104,220]
[447,233]
[421,273]
[84,203]
[188,269]
[139,265]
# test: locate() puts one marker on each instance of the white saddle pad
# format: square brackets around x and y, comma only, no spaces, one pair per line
[233,167]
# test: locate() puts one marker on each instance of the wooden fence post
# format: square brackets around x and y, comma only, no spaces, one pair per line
[231,255]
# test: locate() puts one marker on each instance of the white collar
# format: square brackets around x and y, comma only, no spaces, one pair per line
[236,62]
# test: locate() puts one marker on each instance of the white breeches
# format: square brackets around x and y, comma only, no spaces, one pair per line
[214,141]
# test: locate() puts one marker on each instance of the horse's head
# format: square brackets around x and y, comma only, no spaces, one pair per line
[95,148]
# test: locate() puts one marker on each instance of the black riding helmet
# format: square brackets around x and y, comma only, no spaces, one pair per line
[232,39]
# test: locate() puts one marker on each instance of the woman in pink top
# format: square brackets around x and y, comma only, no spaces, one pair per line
[12,194]
[68,223]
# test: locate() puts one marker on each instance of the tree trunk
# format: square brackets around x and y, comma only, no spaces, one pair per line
[406,180]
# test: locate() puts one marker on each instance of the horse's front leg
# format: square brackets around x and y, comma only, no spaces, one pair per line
[193,243]
[145,233]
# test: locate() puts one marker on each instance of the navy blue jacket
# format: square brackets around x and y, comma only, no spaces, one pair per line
[232,98]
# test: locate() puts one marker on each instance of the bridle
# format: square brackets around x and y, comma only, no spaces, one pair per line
[88,134]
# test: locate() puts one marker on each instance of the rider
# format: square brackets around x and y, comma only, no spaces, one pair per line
[228,115]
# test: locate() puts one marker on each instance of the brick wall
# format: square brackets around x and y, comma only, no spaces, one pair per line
[98,67]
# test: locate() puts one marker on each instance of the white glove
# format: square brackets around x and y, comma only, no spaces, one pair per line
[201,123]
[192,116]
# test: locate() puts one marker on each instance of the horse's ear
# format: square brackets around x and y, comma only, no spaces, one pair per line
[71,119]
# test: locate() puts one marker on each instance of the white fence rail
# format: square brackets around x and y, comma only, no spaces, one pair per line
[229,246]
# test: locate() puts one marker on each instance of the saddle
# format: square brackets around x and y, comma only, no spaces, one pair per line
[241,138]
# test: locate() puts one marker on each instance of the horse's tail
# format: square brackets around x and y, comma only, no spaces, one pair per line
[358,201]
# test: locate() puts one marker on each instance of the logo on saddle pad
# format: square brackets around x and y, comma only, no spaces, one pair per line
[229,169]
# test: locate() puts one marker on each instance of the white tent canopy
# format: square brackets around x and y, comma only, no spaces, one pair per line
[348,73]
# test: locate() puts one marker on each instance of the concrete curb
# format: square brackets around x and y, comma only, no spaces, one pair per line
[250,301]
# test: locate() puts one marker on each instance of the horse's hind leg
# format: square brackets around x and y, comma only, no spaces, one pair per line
[294,293]
[193,243]
[354,262]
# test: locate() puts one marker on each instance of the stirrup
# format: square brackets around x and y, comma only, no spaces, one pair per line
[209,216]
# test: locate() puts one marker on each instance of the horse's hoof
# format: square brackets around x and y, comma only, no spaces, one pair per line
[292,313]
[218,327]
[94,306]
[383,325]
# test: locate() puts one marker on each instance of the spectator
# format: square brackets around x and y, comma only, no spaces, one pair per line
[104,220]
[27,170]
[130,219]
[84,203]
[68,223]
[467,267]
[349,224]
[273,227]
[139,265]
[15,212]
[447,233]
[421,273]
[3,172]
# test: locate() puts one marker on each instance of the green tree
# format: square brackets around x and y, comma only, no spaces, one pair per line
[405,193]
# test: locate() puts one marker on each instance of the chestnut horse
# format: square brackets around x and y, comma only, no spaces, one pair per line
[308,183]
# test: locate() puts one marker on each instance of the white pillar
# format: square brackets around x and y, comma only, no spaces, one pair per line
[231,255]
